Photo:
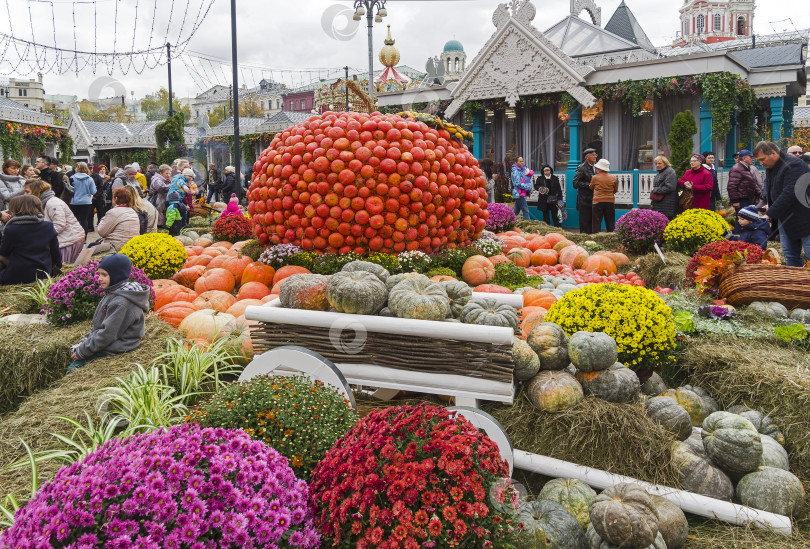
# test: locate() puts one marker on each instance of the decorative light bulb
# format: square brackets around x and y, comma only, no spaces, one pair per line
[383,12]
[360,10]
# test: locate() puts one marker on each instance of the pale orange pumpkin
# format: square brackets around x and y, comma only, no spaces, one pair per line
[442,278]
[477,270]
[238,245]
[538,298]
[288,270]
[531,320]
[526,310]
[162,283]
[252,290]
[270,297]
[218,262]
[236,264]
[573,256]
[192,250]
[238,308]
[215,299]
[544,257]
[188,276]
[559,246]
[171,294]
[215,279]
[207,324]
[554,238]
[500,258]
[258,272]
[195,260]
[174,313]
[522,257]
[492,289]
[224,244]
[600,264]
[538,243]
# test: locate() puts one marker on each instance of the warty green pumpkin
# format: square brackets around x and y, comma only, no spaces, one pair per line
[764,424]
[773,490]
[672,523]
[708,400]
[550,343]
[459,294]
[596,542]
[592,351]
[489,312]
[653,386]
[616,384]
[696,473]
[769,308]
[305,291]
[571,493]
[553,390]
[393,280]
[355,292]
[419,298]
[691,402]
[625,515]
[374,268]
[670,415]
[732,442]
[527,364]
[773,454]
[548,525]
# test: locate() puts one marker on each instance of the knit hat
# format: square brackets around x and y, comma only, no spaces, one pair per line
[188,172]
[130,169]
[136,166]
[118,266]
[233,198]
[173,196]
[750,213]
[699,157]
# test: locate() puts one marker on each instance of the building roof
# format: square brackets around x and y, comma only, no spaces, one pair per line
[12,111]
[577,38]
[773,56]
[120,128]
[453,45]
[625,25]
[245,124]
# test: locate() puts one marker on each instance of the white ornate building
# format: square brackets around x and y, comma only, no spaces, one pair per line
[715,21]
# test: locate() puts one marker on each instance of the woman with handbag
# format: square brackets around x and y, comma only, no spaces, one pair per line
[550,191]
[699,182]
[664,193]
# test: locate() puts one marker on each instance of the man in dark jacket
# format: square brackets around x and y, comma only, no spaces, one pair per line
[582,181]
[709,165]
[743,186]
[788,199]
[54,179]
[214,184]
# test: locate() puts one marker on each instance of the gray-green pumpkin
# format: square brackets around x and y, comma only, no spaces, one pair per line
[773,454]
[708,400]
[653,386]
[732,442]
[764,424]
[596,542]
[696,473]
[773,490]
[670,415]
[695,405]
[592,351]
[672,523]
[800,315]
[571,493]
[459,294]
[355,292]
[616,384]
[770,309]
[393,280]
[526,361]
[550,343]
[374,268]
[419,298]
[625,515]
[305,291]
[548,525]
[488,312]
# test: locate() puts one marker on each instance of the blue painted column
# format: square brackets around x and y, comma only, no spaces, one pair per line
[574,160]
[787,114]
[776,120]
[731,142]
[705,126]
[478,134]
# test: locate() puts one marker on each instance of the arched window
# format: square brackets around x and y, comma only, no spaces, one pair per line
[701,23]
[741,25]
[456,64]
[449,66]
[717,22]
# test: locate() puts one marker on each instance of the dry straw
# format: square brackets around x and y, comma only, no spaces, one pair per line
[655,272]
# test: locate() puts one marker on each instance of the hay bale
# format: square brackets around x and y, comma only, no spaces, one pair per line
[766,375]
[10,296]
[710,534]
[70,396]
[618,438]
[656,273]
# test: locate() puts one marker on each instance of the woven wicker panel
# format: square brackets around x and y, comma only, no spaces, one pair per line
[416,354]
[745,284]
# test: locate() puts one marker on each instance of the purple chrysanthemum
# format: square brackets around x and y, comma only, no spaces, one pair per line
[501,218]
[639,230]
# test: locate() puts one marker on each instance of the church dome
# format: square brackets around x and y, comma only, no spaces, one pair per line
[389,55]
[453,45]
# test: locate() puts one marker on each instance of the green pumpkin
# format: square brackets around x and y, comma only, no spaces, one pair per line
[592,351]
[696,473]
[193,235]
[489,312]
[672,523]
[393,280]
[708,400]
[616,384]
[770,309]
[374,268]
[419,298]
[358,292]
[459,293]
[304,291]
[773,454]
[553,391]
[773,490]
[653,386]
[527,364]
[738,409]
[732,442]
[670,415]
[550,343]
[764,424]
[691,402]
[184,240]
[548,525]
[625,515]
[800,315]
[596,542]
[571,493]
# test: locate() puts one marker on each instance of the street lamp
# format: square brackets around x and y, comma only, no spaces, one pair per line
[366,7]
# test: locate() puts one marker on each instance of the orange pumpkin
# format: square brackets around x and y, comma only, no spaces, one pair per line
[224,244]
[238,308]
[207,324]
[619,259]
[215,279]
[192,250]
[477,270]
[174,313]
[526,310]
[218,262]
[443,278]
[538,243]
[270,297]
[600,264]
[288,270]
[215,299]
[175,293]
[573,256]
[188,277]
[531,320]
[539,298]
[500,258]
[522,257]
[236,265]
[162,283]
[558,247]
[238,245]
[514,242]
[258,272]
[554,238]
[544,257]
[203,260]
[252,290]
[492,289]
[204,242]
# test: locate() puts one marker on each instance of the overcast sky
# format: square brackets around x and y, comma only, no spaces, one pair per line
[294,35]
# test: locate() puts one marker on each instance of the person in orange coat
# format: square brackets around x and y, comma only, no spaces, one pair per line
[604,188]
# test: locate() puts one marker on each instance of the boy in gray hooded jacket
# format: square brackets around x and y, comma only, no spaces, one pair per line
[119,321]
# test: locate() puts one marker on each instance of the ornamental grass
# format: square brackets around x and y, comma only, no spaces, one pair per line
[54,393]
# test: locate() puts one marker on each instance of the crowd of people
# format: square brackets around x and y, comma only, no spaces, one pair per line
[72,202]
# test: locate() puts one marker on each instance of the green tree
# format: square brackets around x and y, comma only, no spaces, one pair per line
[156,107]
[170,139]
[61,117]
[683,130]
[249,108]
[216,117]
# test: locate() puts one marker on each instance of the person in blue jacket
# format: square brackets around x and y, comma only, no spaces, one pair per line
[82,202]
[751,227]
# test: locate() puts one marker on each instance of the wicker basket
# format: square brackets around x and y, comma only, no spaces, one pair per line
[745,284]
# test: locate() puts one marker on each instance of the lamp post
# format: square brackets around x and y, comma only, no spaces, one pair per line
[366,7]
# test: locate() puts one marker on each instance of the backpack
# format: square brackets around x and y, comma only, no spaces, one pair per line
[108,189]
[143,219]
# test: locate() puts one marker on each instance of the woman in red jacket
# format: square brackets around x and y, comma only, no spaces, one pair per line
[700,181]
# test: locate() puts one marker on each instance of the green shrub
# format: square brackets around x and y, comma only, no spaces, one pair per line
[441,271]
[390,262]
[508,274]
[302,259]
[680,141]
[253,249]
[329,264]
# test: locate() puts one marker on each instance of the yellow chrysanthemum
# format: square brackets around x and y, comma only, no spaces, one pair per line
[158,254]
[693,229]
